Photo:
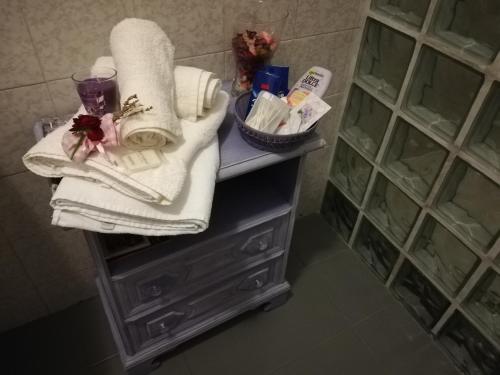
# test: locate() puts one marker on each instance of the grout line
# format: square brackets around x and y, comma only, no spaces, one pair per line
[105,359]
[37,55]
[310,350]
[395,270]
[13,174]
[21,86]
[186,363]
[430,15]
[474,110]
[355,230]
[472,282]
[30,278]
[495,251]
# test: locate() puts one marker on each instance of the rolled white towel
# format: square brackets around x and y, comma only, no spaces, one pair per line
[195,89]
[144,57]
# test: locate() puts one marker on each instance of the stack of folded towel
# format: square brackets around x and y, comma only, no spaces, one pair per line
[188,107]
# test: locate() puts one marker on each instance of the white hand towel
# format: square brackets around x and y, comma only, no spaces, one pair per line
[160,185]
[86,205]
[195,89]
[144,58]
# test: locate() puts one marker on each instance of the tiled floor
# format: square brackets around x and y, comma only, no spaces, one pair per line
[340,320]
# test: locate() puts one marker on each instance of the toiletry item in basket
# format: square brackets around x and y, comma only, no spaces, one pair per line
[263,81]
[315,80]
[268,113]
[304,115]
[282,73]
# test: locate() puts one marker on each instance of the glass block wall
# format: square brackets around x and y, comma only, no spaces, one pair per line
[414,185]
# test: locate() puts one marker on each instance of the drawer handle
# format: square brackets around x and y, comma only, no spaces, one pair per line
[155,291]
[258,243]
[255,281]
[156,287]
[165,324]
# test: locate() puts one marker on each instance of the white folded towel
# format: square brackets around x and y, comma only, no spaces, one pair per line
[195,89]
[83,204]
[144,58]
[160,185]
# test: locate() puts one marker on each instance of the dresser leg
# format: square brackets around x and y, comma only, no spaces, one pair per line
[144,368]
[276,302]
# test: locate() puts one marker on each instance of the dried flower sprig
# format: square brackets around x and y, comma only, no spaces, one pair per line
[90,132]
[130,107]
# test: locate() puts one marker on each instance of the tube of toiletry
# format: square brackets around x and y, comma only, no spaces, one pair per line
[263,81]
[316,80]
[282,73]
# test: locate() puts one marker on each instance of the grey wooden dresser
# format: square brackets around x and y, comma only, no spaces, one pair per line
[159,292]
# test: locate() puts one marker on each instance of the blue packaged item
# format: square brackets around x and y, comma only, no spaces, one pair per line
[263,81]
[282,72]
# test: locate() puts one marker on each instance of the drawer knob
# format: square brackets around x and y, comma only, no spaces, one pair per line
[258,243]
[155,291]
[263,245]
[256,280]
[165,324]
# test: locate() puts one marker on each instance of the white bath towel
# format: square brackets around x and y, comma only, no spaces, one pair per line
[86,205]
[144,58]
[160,185]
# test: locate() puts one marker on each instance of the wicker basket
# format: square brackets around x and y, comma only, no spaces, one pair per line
[266,141]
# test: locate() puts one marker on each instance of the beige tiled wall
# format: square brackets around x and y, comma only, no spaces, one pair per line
[44,268]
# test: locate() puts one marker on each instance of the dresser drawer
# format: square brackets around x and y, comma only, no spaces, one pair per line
[181,273]
[170,323]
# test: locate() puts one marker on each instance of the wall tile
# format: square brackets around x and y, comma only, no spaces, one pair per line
[61,292]
[314,181]
[20,108]
[325,16]
[213,63]
[228,65]
[71,34]
[329,124]
[233,9]
[128,5]
[46,251]
[18,61]
[194,26]
[332,51]
[64,96]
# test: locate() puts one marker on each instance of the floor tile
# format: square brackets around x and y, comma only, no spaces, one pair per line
[174,365]
[263,341]
[343,354]
[392,332]
[314,240]
[354,290]
[69,340]
[429,360]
